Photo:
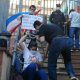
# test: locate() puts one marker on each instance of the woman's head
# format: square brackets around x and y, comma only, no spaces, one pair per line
[33,45]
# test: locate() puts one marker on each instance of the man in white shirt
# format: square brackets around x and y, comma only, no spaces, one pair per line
[74,17]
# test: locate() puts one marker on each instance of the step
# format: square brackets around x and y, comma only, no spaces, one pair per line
[77,70]
[58,60]
[61,65]
[61,72]
[74,66]
[61,61]
[76,52]
[74,56]
[63,75]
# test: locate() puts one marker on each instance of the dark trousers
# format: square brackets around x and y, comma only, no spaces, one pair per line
[60,45]
[31,73]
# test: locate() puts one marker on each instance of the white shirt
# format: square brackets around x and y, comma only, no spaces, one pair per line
[27,55]
[75,19]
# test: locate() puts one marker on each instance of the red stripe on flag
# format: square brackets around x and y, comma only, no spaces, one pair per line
[12,30]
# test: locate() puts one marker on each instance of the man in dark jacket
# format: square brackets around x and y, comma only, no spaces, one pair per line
[58,44]
[57,17]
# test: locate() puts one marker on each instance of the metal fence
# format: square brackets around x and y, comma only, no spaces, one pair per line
[46,6]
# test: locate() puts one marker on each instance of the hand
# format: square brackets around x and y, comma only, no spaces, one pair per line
[34,59]
[37,37]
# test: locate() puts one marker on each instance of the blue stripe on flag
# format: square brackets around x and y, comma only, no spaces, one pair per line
[14,17]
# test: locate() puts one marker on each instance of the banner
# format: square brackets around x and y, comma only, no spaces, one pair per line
[28,20]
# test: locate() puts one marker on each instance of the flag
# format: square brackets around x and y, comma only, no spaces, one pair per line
[13,22]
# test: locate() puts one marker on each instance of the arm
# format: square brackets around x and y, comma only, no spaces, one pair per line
[50,18]
[70,16]
[40,39]
[40,60]
[64,19]
[21,42]
[22,39]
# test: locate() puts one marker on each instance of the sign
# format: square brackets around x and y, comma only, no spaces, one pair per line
[28,20]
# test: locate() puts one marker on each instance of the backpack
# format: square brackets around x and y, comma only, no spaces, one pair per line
[57,17]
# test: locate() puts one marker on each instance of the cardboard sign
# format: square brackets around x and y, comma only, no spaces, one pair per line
[28,20]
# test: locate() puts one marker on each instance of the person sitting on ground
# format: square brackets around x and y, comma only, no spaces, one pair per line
[32,61]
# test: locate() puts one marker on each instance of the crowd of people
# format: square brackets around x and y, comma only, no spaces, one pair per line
[58,43]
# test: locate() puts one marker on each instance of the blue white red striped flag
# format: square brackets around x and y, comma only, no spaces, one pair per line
[14,21]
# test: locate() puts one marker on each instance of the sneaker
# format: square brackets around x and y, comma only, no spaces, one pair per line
[71,50]
[74,78]
[77,49]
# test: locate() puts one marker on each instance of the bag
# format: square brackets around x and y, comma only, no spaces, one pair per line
[3,43]
[4,39]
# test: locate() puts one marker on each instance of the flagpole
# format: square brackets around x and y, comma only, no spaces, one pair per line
[15,46]
[44,8]
[17,34]
[20,5]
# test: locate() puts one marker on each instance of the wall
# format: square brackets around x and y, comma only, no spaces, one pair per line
[5,62]
[4,7]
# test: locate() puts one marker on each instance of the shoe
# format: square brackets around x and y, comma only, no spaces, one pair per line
[77,49]
[71,50]
[74,78]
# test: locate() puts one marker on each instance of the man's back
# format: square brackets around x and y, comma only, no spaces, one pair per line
[50,31]
[57,17]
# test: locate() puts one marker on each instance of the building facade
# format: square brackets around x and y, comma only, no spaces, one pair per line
[46,6]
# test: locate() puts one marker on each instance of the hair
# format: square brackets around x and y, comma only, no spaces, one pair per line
[36,23]
[71,11]
[58,5]
[32,6]
[32,43]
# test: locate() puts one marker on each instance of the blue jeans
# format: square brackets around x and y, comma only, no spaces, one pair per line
[74,31]
[30,73]
[18,65]
[60,45]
